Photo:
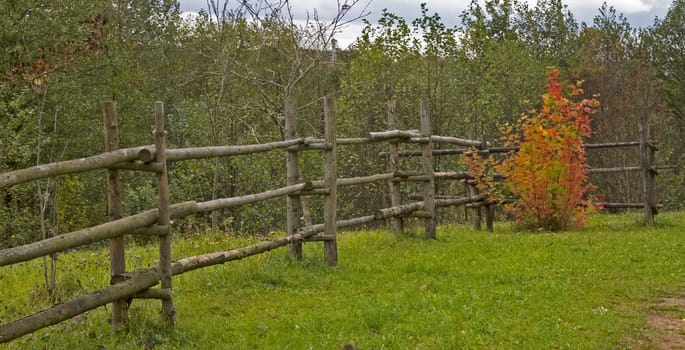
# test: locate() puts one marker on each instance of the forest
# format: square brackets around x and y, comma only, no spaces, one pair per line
[224,76]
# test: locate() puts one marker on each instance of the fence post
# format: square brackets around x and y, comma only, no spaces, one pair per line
[330,200]
[116,247]
[473,191]
[396,222]
[164,219]
[428,185]
[475,209]
[646,158]
[294,203]
[487,207]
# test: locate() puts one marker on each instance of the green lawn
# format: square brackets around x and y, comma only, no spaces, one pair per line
[587,289]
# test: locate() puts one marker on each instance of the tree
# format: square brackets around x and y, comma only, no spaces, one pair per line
[246,60]
[499,71]
[401,61]
[613,62]
[549,31]
[58,60]
[667,43]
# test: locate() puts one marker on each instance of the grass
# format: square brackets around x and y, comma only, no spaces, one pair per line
[587,289]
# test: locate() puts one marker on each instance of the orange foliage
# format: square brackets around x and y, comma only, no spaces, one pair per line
[548,173]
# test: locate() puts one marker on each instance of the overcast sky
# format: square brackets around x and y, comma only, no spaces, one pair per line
[640,13]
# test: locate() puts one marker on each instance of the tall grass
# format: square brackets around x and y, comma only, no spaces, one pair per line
[587,289]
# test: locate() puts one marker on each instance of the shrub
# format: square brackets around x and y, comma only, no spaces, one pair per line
[547,174]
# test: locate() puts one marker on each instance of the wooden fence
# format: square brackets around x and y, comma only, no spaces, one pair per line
[479,204]
[157,222]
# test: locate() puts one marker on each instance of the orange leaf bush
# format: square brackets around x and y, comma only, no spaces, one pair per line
[548,173]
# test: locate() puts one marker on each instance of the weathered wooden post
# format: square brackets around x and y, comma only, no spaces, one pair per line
[294,203]
[164,219]
[475,208]
[646,158]
[487,208]
[116,247]
[397,223]
[330,200]
[489,216]
[429,184]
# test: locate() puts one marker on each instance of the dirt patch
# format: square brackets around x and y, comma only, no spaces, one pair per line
[667,322]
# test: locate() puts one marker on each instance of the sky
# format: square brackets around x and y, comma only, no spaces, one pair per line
[640,13]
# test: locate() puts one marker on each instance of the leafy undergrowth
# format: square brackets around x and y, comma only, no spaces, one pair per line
[588,289]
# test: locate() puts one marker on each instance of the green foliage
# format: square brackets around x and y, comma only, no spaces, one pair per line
[72,206]
[224,76]
[17,142]
[549,31]
[588,289]
[670,47]
[58,60]
[667,41]
[499,70]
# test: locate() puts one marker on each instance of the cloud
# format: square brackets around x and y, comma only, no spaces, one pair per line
[640,13]
[192,5]
[624,6]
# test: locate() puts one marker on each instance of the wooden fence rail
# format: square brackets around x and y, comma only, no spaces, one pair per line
[138,281]
[646,167]
[101,161]
[89,235]
[493,150]
[157,222]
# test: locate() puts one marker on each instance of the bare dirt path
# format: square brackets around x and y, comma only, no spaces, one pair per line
[667,321]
